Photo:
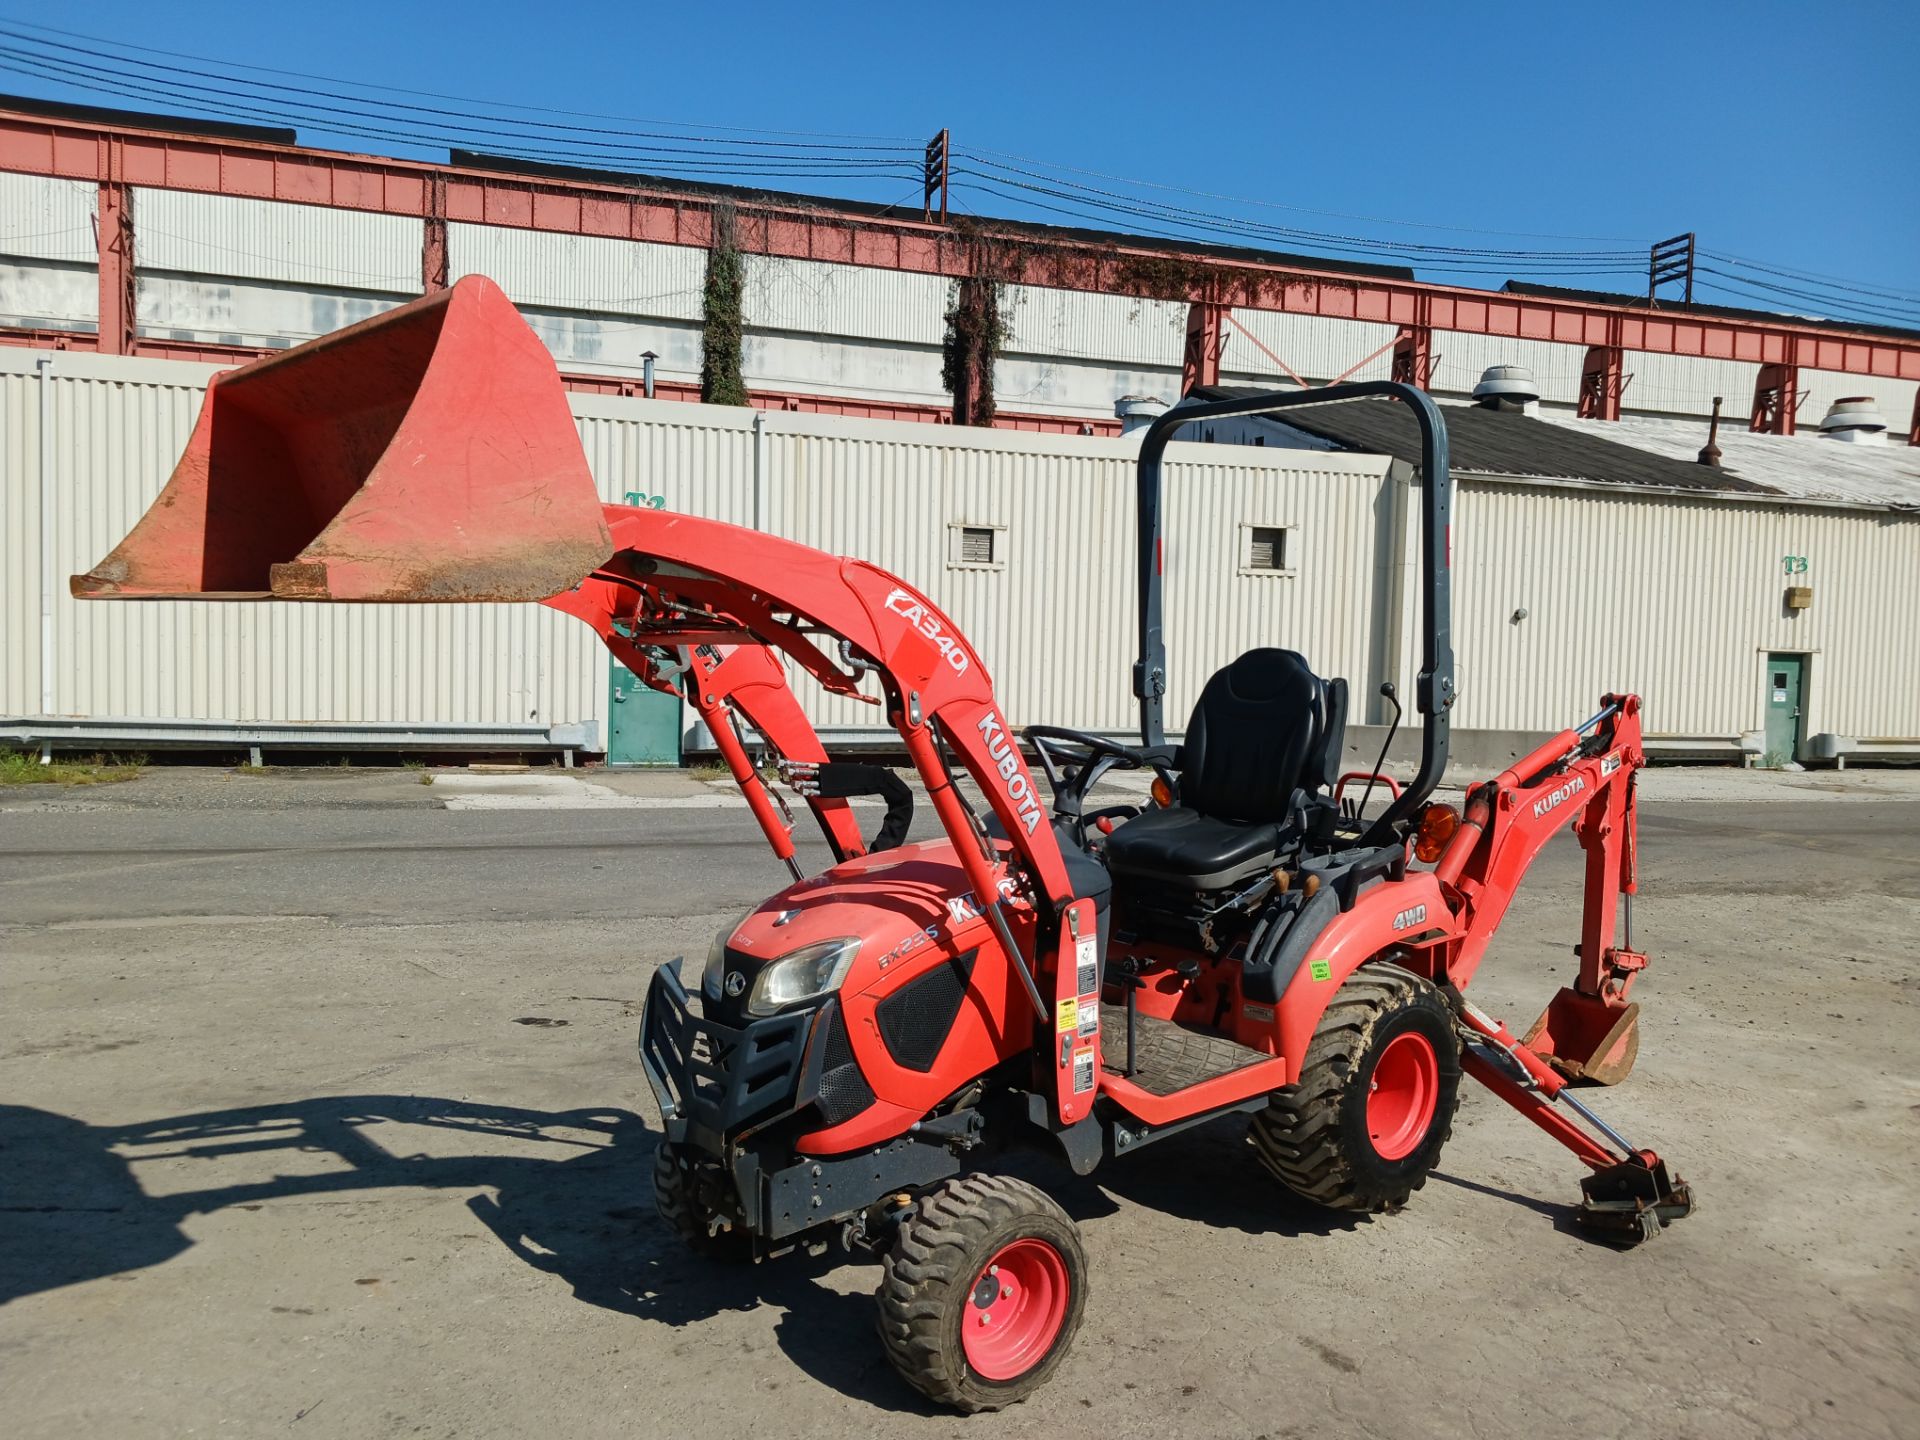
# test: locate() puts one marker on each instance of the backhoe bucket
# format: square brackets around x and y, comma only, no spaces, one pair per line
[425,454]
[1585,1038]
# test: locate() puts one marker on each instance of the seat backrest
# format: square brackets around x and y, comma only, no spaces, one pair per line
[1265,727]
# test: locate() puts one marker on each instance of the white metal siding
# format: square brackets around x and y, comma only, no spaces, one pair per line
[46,219]
[818,297]
[1677,598]
[1685,385]
[1079,325]
[1680,601]
[1056,627]
[51,294]
[1314,347]
[226,236]
[247,312]
[593,273]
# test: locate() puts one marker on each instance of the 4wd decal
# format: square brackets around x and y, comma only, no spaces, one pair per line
[1559,797]
[903,604]
[1409,918]
[1012,776]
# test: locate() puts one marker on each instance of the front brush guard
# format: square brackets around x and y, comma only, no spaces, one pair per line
[1632,1201]
[714,1083]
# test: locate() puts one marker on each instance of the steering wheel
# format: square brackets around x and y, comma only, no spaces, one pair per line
[1074,761]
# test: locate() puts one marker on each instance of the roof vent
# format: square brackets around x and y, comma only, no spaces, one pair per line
[1855,419]
[1507,387]
[1136,412]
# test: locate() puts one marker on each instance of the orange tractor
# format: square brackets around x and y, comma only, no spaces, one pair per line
[1087,977]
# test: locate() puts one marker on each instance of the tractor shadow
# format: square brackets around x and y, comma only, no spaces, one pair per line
[1562,1217]
[568,1193]
[1208,1175]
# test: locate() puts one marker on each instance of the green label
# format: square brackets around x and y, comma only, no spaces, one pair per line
[1320,970]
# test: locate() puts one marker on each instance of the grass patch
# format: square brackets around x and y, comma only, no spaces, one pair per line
[23,767]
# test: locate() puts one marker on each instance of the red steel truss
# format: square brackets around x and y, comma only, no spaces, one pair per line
[117,156]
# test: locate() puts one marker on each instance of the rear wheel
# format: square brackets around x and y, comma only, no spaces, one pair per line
[982,1293]
[691,1193]
[1374,1105]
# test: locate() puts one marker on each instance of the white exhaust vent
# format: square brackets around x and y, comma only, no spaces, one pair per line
[1507,387]
[1856,420]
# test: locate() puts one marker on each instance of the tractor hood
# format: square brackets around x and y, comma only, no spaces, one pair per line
[893,903]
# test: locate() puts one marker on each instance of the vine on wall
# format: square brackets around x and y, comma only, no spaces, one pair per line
[722,381]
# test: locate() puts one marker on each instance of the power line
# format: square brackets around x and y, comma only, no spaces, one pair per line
[982,154]
[903,140]
[733,152]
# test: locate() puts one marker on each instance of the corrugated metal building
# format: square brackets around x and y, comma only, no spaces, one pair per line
[1673,592]
[230,270]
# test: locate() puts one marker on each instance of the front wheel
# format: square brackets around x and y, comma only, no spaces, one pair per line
[982,1292]
[691,1195]
[1364,1126]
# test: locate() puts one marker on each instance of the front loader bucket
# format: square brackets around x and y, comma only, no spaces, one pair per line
[425,454]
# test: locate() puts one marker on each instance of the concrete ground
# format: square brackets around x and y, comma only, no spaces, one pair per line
[319,1113]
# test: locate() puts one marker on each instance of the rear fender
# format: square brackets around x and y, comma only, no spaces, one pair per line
[1397,912]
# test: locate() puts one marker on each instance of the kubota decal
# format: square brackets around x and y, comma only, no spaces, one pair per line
[1007,759]
[961,909]
[1559,797]
[903,604]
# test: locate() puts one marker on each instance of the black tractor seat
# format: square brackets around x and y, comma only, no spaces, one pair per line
[1260,753]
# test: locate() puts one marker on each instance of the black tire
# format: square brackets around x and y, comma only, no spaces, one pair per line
[930,1289]
[1314,1135]
[689,1193]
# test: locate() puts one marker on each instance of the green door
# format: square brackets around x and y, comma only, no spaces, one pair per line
[1784,725]
[645,724]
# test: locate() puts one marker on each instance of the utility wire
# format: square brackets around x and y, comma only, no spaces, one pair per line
[903,140]
[733,152]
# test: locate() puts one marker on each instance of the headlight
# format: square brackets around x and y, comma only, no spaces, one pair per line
[711,977]
[809,971]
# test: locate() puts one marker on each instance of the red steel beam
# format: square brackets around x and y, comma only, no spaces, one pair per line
[74,149]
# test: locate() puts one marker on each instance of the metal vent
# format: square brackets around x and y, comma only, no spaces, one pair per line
[1267,548]
[976,545]
[917,1018]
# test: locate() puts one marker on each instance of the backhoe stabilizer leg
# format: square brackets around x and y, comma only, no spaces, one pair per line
[1630,1196]
[1633,1200]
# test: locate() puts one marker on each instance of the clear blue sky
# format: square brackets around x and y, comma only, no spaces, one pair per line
[1783,133]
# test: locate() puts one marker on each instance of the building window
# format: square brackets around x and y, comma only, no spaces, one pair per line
[1265,550]
[976,547]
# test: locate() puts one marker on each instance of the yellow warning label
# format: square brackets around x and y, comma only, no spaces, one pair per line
[1066,1016]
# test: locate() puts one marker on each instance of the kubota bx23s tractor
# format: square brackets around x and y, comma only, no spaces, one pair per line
[1086,976]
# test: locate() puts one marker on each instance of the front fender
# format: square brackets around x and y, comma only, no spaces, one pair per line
[1385,915]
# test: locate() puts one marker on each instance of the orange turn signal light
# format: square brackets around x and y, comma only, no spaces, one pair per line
[1437,826]
[1162,792]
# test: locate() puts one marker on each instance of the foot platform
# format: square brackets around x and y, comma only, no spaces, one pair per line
[1168,1056]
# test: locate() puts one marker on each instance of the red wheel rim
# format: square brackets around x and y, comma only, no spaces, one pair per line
[1402,1095]
[1016,1309]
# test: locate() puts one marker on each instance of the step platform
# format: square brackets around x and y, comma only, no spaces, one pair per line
[1168,1056]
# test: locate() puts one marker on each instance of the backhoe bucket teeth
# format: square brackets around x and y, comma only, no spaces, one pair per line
[1633,1201]
[1586,1039]
[425,454]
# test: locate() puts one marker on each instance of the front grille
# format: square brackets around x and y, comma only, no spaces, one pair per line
[844,1091]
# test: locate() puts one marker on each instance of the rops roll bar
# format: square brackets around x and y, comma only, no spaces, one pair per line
[1434,692]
